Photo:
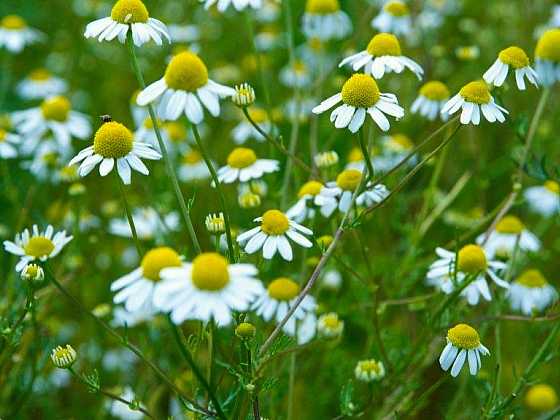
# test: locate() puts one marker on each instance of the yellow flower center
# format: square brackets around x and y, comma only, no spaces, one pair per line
[186,71]
[360,91]
[548,47]
[3,134]
[241,157]
[515,57]
[464,336]
[56,108]
[325,241]
[193,157]
[552,186]
[511,225]
[257,114]
[532,278]
[384,44]
[283,289]
[435,91]
[300,68]
[396,8]
[310,188]
[157,259]
[322,7]
[355,155]
[13,22]
[40,75]
[315,44]
[210,271]
[176,131]
[476,92]
[39,246]
[130,11]
[274,222]
[370,367]
[400,142]
[349,179]
[112,140]
[331,321]
[50,158]
[541,397]
[471,259]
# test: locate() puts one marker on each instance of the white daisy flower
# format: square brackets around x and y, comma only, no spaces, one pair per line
[393,18]
[237,4]
[544,199]
[184,33]
[394,149]
[149,224]
[8,144]
[360,96]
[114,143]
[36,245]
[124,318]
[383,55]
[372,195]
[15,35]
[516,58]
[547,57]
[355,159]
[432,98]
[369,370]
[243,165]
[207,289]
[40,84]
[509,233]
[451,270]
[296,76]
[338,194]
[192,167]
[46,161]
[530,292]
[472,99]
[303,209]
[184,88]
[330,326]
[268,38]
[463,344]
[272,236]
[173,133]
[128,15]
[136,289]
[245,130]
[275,301]
[324,20]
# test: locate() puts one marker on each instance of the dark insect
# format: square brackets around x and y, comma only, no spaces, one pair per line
[106,118]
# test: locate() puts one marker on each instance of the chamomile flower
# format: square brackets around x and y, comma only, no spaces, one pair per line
[394,149]
[360,96]
[324,20]
[207,289]
[338,194]
[149,224]
[531,292]
[469,264]
[372,195]
[463,344]
[431,99]
[516,58]
[303,209]
[243,165]
[369,370]
[275,301]
[541,398]
[509,233]
[394,18]
[46,160]
[245,130]
[15,35]
[128,15]
[8,144]
[326,159]
[114,144]
[272,236]
[382,55]
[472,99]
[237,4]
[41,84]
[544,199]
[36,245]
[173,133]
[63,357]
[193,167]
[547,57]
[330,326]
[297,75]
[184,88]
[136,289]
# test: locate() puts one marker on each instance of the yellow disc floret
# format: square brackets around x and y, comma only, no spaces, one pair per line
[511,225]
[130,11]
[39,246]
[463,336]
[40,75]
[370,367]
[241,157]
[476,92]
[186,71]
[541,398]
[156,259]
[384,44]
[322,7]
[310,188]
[3,134]
[258,115]
[552,186]
[355,155]
[349,179]
[532,279]
[471,259]
[13,22]
[274,222]
[515,57]
[283,289]
[548,47]
[435,91]
[210,271]
[56,108]
[176,131]
[112,140]
[400,142]
[193,157]
[396,8]
[360,91]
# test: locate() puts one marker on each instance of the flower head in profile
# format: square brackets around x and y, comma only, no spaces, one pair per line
[243,165]
[41,84]
[394,18]
[509,233]
[430,101]
[303,209]
[369,370]
[237,4]
[338,194]
[63,357]
[543,199]
[15,35]
[128,15]
[530,292]
[463,344]
[547,57]
[114,145]
[360,96]
[184,89]
[324,20]
[517,59]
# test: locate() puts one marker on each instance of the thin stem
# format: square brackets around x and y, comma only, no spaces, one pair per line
[254,394]
[291,386]
[129,217]
[365,151]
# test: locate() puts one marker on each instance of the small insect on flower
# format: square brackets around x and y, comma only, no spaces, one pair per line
[243,165]
[184,88]
[128,15]
[369,371]
[303,209]
[330,326]
[41,84]
[244,95]
[544,199]
[8,143]
[215,223]
[463,343]
[432,98]
[530,292]
[394,18]
[541,398]
[509,233]
[15,35]
[37,245]
[383,55]
[547,57]
[276,300]
[324,20]
[114,142]
[63,357]
[238,4]
[516,58]
[360,95]
[272,236]
[472,99]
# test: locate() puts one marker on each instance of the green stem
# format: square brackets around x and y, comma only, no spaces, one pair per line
[533,127]
[365,152]
[129,217]
[291,386]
